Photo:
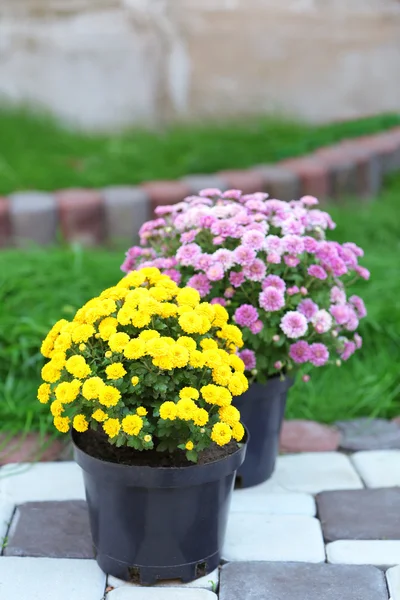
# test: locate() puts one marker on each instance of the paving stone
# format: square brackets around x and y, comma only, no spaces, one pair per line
[381,553]
[50,579]
[126,209]
[165,192]
[51,529]
[125,593]
[342,171]
[360,514]
[6,513]
[208,582]
[308,436]
[393,581]
[368,165]
[29,447]
[368,434]
[273,538]
[202,182]
[247,181]
[291,581]
[5,223]
[378,468]
[313,175]
[33,218]
[82,216]
[279,182]
[256,500]
[312,472]
[41,482]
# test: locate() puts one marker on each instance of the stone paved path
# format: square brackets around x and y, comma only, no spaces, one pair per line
[326,526]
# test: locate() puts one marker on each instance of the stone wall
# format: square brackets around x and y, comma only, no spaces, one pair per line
[104,63]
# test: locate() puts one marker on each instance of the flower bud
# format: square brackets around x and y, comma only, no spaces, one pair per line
[254,371]
[334,333]
[306,378]
[278,365]
[276,338]
[338,362]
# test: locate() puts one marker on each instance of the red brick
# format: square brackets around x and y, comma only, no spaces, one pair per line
[5,223]
[308,436]
[29,448]
[162,193]
[248,182]
[368,168]
[342,170]
[386,147]
[82,217]
[313,175]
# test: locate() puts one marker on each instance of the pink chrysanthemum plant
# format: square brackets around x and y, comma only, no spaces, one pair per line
[270,264]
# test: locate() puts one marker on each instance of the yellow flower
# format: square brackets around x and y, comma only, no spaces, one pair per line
[108,354]
[80,423]
[166,283]
[191,322]
[209,344]
[77,366]
[167,309]
[82,347]
[107,328]
[124,316]
[148,334]
[236,363]
[188,296]
[134,380]
[189,445]
[112,427]
[232,334]
[114,293]
[186,409]
[82,333]
[132,424]
[99,415]
[215,394]
[63,342]
[140,318]
[109,396]
[135,349]
[159,294]
[196,359]
[221,316]
[152,274]
[229,415]
[118,341]
[212,358]
[189,392]
[179,356]
[56,408]
[62,424]
[115,371]
[238,384]
[181,310]
[157,347]
[67,391]
[50,373]
[200,417]
[48,342]
[141,411]
[168,410]
[43,393]
[163,362]
[147,438]
[205,325]
[187,342]
[135,278]
[222,374]
[237,431]
[221,434]
[91,388]
[58,359]
[207,310]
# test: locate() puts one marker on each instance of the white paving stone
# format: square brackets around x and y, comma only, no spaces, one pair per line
[273,538]
[256,500]
[25,482]
[380,553]
[379,468]
[126,593]
[393,581]
[6,512]
[50,579]
[313,472]
[208,582]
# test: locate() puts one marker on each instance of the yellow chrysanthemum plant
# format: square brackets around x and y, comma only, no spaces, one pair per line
[149,364]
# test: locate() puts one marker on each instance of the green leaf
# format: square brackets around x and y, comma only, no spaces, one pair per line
[192,456]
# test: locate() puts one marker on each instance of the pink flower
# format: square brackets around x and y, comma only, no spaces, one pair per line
[299,352]
[187,255]
[293,290]
[189,236]
[308,200]
[362,272]
[207,221]
[310,244]
[209,192]
[317,271]
[274,258]
[340,313]
[349,349]
[244,255]
[174,275]
[303,291]
[308,308]
[322,321]
[218,240]
[319,354]
[236,278]
[255,271]
[164,210]
[200,283]
[354,248]
[359,306]
[274,281]
[229,292]
[220,301]
[203,262]
[271,299]
[235,194]
[293,324]
[358,340]
[256,327]
[215,273]
[254,239]
[353,321]
[224,257]
[338,296]
[246,315]
[293,244]
[291,261]
[273,243]
[249,359]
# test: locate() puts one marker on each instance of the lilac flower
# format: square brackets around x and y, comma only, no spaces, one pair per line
[249,359]
[188,254]
[256,327]
[337,296]
[209,192]
[189,236]
[308,308]
[164,210]
[273,243]
[271,299]
[310,244]
[322,321]
[338,266]
[317,271]
[353,322]
[224,257]
[234,194]
[354,248]
[200,283]
[174,275]
[340,313]
[218,240]
[319,354]
[359,306]
[291,291]
[236,278]
[254,239]
[293,324]
[303,291]
[308,200]
[274,281]
[291,261]
[358,340]
[255,271]
[293,244]
[215,272]
[299,352]
[349,349]
[220,301]
[244,255]
[229,292]
[362,272]
[274,258]
[203,262]
[224,227]
[246,315]
[207,221]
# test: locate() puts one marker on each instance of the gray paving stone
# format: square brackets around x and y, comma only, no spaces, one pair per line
[360,514]
[50,579]
[369,434]
[201,182]
[299,581]
[208,582]
[126,209]
[51,529]
[279,182]
[124,593]
[6,513]
[33,218]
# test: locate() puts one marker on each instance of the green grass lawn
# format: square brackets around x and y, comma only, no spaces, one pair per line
[39,286]
[37,153]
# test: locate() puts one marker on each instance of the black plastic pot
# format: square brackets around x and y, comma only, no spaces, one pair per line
[150,524]
[262,409]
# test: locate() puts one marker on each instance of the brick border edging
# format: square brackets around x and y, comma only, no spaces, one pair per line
[353,167]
